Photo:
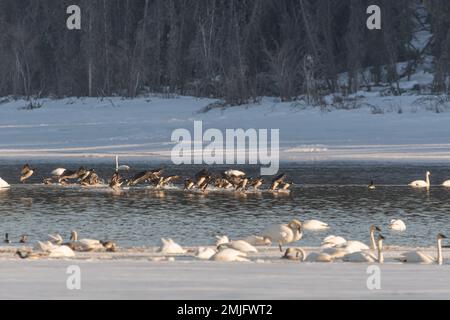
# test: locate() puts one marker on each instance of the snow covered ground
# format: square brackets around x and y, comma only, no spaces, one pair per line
[133,276]
[381,128]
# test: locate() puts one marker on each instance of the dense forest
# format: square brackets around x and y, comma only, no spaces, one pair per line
[236,50]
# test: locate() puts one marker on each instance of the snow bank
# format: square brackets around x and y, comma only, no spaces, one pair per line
[390,128]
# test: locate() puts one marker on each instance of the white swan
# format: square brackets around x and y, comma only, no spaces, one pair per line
[221,240]
[258,241]
[3,184]
[55,239]
[240,245]
[367,256]
[284,233]
[333,241]
[349,247]
[397,225]
[54,251]
[84,244]
[170,247]
[314,225]
[58,172]
[420,257]
[205,253]
[230,255]
[298,254]
[446,184]
[421,183]
[121,167]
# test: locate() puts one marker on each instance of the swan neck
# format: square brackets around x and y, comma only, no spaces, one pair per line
[439,252]
[380,252]
[372,239]
[428,180]
[302,254]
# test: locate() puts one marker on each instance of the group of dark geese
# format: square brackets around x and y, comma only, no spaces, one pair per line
[229,180]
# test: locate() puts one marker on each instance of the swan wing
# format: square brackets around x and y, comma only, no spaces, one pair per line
[58,172]
[243,246]
[3,184]
[416,257]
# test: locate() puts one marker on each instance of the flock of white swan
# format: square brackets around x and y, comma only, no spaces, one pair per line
[332,249]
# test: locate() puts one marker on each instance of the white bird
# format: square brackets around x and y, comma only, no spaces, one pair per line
[221,240]
[314,225]
[397,225]
[55,239]
[258,241]
[299,254]
[333,241]
[54,251]
[234,173]
[121,167]
[230,255]
[58,172]
[421,183]
[420,257]
[84,244]
[205,253]
[367,256]
[284,233]
[349,247]
[240,245]
[446,184]
[170,247]
[3,184]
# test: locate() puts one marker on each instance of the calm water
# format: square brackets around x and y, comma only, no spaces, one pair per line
[335,194]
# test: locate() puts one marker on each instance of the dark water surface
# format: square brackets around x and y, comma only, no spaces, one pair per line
[334,193]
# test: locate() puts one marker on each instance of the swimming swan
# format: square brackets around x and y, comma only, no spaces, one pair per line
[3,184]
[397,225]
[314,225]
[171,247]
[446,184]
[421,183]
[230,255]
[367,256]
[420,257]
[284,233]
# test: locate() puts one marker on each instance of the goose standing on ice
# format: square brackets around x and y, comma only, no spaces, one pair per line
[397,225]
[23,238]
[420,257]
[188,184]
[277,181]
[256,183]
[284,233]
[421,183]
[6,240]
[26,173]
[3,184]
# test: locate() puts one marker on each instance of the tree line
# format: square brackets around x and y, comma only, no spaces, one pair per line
[235,50]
